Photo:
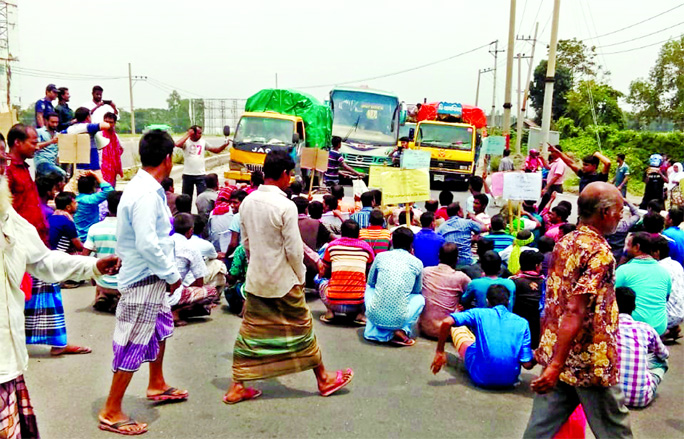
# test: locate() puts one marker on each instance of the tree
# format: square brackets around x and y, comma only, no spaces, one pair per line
[601,97]
[662,94]
[578,57]
[562,85]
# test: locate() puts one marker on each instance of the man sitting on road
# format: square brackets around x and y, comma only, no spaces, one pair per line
[207,200]
[362,217]
[675,303]
[492,341]
[475,295]
[427,243]
[460,231]
[376,235]
[345,264]
[498,235]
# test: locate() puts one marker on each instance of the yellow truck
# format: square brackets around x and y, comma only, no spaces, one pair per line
[452,146]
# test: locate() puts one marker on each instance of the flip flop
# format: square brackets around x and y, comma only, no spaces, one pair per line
[169,395]
[340,382]
[324,319]
[250,393]
[360,322]
[73,350]
[408,342]
[116,427]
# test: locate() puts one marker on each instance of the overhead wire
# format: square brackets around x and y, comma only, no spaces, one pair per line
[638,23]
[643,36]
[643,47]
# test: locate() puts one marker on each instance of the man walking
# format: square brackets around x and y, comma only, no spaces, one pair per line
[276,336]
[193,146]
[578,346]
[143,315]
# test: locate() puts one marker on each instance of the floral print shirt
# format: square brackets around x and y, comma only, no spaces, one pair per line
[583,264]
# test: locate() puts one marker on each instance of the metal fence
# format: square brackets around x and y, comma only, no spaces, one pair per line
[221,112]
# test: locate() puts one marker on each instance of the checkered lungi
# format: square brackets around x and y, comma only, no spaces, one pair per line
[44,314]
[17,420]
[143,320]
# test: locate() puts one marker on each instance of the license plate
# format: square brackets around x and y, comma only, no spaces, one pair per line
[439,177]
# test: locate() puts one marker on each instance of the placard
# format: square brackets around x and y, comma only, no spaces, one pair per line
[493,145]
[375,177]
[522,185]
[74,148]
[497,184]
[7,120]
[314,158]
[415,159]
[405,185]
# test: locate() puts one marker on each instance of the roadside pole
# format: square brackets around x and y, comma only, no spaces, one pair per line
[495,52]
[526,95]
[519,121]
[523,105]
[130,92]
[550,77]
[509,76]
[477,92]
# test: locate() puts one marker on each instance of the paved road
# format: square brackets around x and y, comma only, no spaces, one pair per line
[393,395]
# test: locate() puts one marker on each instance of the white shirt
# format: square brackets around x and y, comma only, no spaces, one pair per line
[203,247]
[270,234]
[98,115]
[219,230]
[190,265]
[193,157]
[21,250]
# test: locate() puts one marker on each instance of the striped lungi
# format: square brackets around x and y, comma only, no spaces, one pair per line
[143,319]
[44,314]
[17,419]
[276,338]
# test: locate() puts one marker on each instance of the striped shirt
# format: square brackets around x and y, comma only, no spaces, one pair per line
[362,217]
[349,259]
[378,238]
[101,241]
[501,240]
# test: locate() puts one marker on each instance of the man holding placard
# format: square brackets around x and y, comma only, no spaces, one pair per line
[83,126]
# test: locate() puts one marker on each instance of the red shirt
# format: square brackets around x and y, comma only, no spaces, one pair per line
[442,213]
[25,199]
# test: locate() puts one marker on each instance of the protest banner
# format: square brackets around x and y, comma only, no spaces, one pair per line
[520,186]
[6,121]
[314,159]
[493,145]
[497,184]
[375,177]
[405,185]
[415,159]
[74,148]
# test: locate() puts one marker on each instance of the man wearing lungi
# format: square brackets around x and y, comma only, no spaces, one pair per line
[276,337]
[22,250]
[148,271]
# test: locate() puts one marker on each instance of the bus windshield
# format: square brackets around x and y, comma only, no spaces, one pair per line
[365,117]
[265,131]
[445,136]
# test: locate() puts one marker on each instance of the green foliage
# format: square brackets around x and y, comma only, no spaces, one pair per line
[601,97]
[561,87]
[578,57]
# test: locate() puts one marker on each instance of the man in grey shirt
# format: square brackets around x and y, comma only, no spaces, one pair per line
[506,164]
[206,200]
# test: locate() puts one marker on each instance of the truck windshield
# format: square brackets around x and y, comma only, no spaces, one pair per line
[445,136]
[264,130]
[365,117]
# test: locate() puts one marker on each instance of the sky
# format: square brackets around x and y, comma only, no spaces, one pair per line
[231,49]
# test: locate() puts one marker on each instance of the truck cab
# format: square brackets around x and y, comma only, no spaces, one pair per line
[452,146]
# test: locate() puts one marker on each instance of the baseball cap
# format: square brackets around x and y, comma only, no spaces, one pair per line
[51,87]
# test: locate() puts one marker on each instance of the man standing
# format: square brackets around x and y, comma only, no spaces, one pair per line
[459,231]
[276,336]
[46,159]
[83,125]
[99,107]
[506,164]
[588,173]
[143,316]
[621,175]
[193,146]
[22,250]
[44,106]
[555,178]
[111,153]
[66,115]
[578,346]
[335,162]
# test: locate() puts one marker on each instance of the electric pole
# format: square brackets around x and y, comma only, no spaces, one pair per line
[7,17]
[132,78]
[550,77]
[530,69]
[494,52]
[519,120]
[522,106]
[276,80]
[477,92]
[509,76]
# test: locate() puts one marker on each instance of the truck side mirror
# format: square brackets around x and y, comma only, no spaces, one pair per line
[412,133]
[295,138]
[402,117]
[226,131]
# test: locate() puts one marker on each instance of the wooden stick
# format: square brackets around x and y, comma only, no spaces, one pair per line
[313,173]
[408,215]
[510,217]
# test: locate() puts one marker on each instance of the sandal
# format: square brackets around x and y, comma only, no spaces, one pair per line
[71,350]
[340,382]
[170,394]
[249,393]
[116,427]
[407,342]
[324,319]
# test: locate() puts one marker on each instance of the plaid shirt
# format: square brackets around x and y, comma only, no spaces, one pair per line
[636,340]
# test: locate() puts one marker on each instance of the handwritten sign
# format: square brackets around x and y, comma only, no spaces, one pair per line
[375,176]
[415,159]
[522,185]
[404,185]
[74,148]
[314,158]
[497,184]
[493,145]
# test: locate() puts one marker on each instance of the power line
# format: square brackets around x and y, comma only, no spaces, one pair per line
[636,24]
[638,38]
[45,73]
[399,72]
[643,47]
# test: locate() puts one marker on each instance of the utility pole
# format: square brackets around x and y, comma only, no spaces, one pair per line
[519,121]
[509,76]
[477,92]
[276,78]
[130,93]
[550,77]
[494,52]
[7,17]
[530,69]
[523,105]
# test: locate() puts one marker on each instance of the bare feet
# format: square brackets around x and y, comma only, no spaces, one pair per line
[70,350]
[238,392]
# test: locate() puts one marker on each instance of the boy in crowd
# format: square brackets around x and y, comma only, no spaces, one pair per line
[167,185]
[427,243]
[329,219]
[480,203]
[216,268]
[101,242]
[89,199]
[643,357]
[445,199]
[498,235]
[475,186]
[506,164]
[621,175]
[63,233]
[460,231]
[492,341]
[475,296]
[529,283]
[376,235]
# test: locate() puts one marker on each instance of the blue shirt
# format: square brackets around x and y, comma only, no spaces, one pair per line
[44,107]
[501,240]
[91,129]
[502,343]
[394,275]
[47,154]
[477,291]
[62,231]
[88,212]
[676,244]
[143,228]
[621,173]
[459,231]
[362,217]
[426,245]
